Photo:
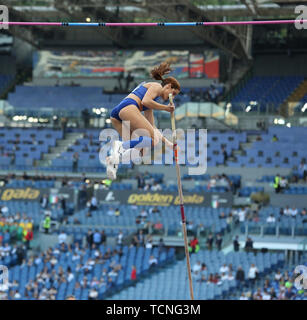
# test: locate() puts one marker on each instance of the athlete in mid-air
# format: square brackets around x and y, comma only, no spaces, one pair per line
[142,99]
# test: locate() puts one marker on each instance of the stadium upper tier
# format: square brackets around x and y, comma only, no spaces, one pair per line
[28,98]
[266,91]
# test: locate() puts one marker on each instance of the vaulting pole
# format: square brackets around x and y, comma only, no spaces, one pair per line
[183,220]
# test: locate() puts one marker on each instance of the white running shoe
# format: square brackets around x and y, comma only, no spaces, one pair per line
[112,161]
[117,150]
[111,168]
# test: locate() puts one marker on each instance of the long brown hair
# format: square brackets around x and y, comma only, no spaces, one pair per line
[158,72]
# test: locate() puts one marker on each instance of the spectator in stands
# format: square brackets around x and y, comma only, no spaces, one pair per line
[283,184]
[110,212]
[243,297]
[274,138]
[224,268]
[141,238]
[287,211]
[148,242]
[158,228]
[94,204]
[93,294]
[133,274]
[240,277]
[28,237]
[4,209]
[152,262]
[119,238]
[225,155]
[230,276]
[75,161]
[47,223]
[271,218]
[278,276]
[242,214]
[224,277]
[202,230]
[156,187]
[196,267]
[44,201]
[303,213]
[210,278]
[204,270]
[154,210]
[97,238]
[293,212]
[253,274]
[143,214]
[140,181]
[194,245]
[209,241]
[134,241]
[62,237]
[117,212]
[219,241]
[303,170]
[89,238]
[191,229]
[277,183]
[281,295]
[161,245]
[212,182]
[249,245]
[289,294]
[236,244]
[21,254]
[257,295]
[145,225]
[85,117]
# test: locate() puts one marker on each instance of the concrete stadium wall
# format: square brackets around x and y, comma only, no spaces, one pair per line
[246,173]
[282,200]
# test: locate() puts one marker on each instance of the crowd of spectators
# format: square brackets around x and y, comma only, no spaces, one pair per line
[147,183]
[248,214]
[279,287]
[15,227]
[226,273]
[222,180]
[211,94]
[46,283]
[214,242]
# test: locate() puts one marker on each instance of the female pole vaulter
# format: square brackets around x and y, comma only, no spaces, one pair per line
[141,99]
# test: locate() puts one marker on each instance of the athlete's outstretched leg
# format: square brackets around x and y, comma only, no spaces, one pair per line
[136,121]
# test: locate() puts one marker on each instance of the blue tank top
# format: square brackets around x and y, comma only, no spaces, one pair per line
[140,92]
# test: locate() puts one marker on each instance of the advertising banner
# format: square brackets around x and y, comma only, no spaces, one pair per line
[214,200]
[35,194]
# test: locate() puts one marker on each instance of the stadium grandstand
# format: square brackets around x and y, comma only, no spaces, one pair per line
[70,231]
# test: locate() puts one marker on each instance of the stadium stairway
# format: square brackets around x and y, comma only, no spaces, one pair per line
[171,283]
[125,292]
[297,95]
[250,138]
[61,146]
